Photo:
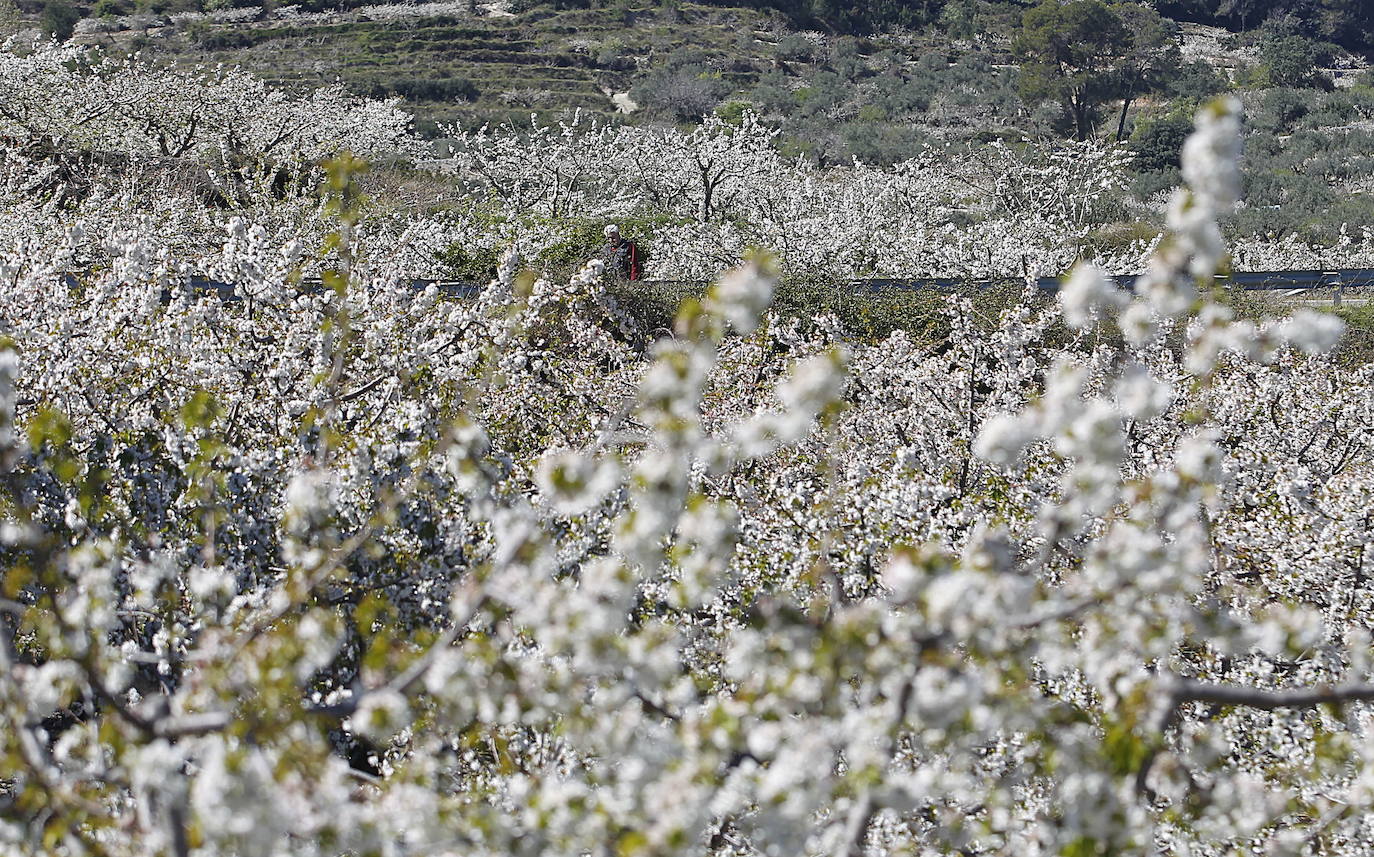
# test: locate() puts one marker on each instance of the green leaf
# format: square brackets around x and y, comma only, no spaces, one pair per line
[1123,749]
[49,426]
[1083,846]
[631,843]
[201,410]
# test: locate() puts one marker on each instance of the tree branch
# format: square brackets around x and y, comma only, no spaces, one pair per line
[1268,700]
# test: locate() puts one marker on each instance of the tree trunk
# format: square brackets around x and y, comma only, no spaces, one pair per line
[708,190]
[1121,125]
[1080,119]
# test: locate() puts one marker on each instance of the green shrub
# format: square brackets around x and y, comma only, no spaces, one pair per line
[1279,110]
[58,19]
[1355,349]
[1157,144]
[1146,183]
[110,8]
[882,143]
[1291,60]
[960,20]
[653,305]
[519,6]
[772,95]
[733,111]
[1120,236]
[796,48]
[616,55]
[867,315]
[223,40]
[863,314]
[428,89]
[469,265]
[1197,81]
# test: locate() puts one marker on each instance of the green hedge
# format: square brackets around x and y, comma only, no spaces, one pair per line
[863,315]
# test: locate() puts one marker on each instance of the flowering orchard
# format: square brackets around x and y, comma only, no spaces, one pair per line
[994,211]
[361,571]
[723,187]
[102,143]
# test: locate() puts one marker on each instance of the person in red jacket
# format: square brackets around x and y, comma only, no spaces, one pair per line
[620,255]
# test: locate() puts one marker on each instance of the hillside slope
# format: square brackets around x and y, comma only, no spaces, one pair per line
[455,66]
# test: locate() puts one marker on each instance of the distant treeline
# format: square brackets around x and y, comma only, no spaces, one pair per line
[1346,22]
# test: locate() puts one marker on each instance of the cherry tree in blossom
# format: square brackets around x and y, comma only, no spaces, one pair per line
[358,569]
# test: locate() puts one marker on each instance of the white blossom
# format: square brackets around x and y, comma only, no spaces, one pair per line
[1086,294]
[1310,331]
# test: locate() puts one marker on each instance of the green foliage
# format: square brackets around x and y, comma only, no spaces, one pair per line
[58,19]
[616,55]
[220,40]
[110,8]
[1120,236]
[1357,346]
[733,111]
[1291,60]
[653,305]
[1297,168]
[1124,750]
[584,238]
[1342,107]
[796,47]
[1279,110]
[50,433]
[882,143]
[960,19]
[201,410]
[1197,81]
[863,315]
[683,92]
[1083,846]
[1151,60]
[854,16]
[469,265]
[1347,22]
[49,428]
[1157,144]
[884,101]
[1080,56]
[529,5]
[1068,53]
[427,89]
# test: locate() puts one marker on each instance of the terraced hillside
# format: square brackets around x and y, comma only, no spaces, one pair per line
[466,68]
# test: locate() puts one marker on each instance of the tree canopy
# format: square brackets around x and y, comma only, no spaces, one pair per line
[1070,54]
